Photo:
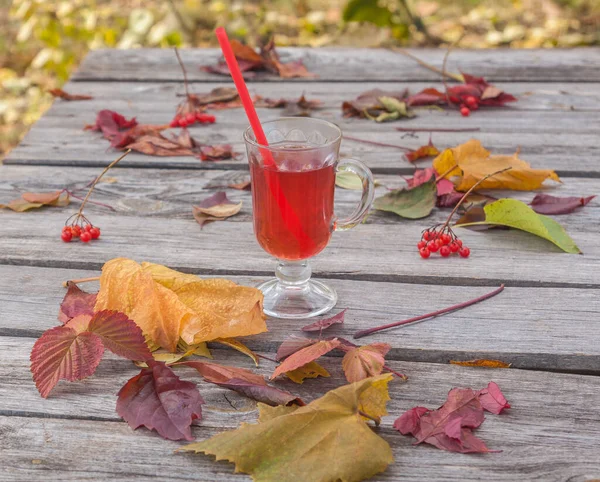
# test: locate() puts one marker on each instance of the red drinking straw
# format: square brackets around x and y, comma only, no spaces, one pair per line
[290,218]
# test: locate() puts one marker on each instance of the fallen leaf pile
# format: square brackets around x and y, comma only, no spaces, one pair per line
[34,200]
[450,427]
[329,436]
[268,60]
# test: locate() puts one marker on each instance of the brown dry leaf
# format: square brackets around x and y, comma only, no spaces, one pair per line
[215,96]
[474,162]
[215,208]
[288,70]
[242,186]
[194,309]
[33,200]
[481,363]
[239,346]
[157,145]
[217,152]
[65,96]
[364,361]
[310,370]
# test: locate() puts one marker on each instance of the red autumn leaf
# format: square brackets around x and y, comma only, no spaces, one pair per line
[291,345]
[449,200]
[217,152]
[364,361]
[63,354]
[450,426]
[428,150]
[305,355]
[547,204]
[428,96]
[122,139]
[76,302]
[420,176]
[492,399]
[159,400]
[120,335]
[110,123]
[445,187]
[65,96]
[326,322]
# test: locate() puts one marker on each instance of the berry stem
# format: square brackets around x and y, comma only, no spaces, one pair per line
[185,79]
[91,202]
[80,212]
[460,306]
[375,143]
[80,280]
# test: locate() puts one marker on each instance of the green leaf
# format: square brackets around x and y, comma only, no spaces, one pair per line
[367,11]
[348,180]
[414,203]
[516,214]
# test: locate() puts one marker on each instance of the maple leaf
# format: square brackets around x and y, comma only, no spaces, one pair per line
[215,208]
[427,150]
[168,305]
[450,426]
[325,322]
[310,370]
[158,400]
[76,302]
[217,152]
[328,438]
[66,96]
[34,200]
[364,361]
[306,355]
[474,163]
[547,204]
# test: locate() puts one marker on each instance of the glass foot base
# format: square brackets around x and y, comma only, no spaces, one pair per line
[301,301]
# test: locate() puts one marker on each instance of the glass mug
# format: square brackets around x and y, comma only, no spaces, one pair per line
[292,205]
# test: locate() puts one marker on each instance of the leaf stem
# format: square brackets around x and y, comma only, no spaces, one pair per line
[80,280]
[398,374]
[375,143]
[456,77]
[91,202]
[370,331]
[377,420]
[422,129]
[185,79]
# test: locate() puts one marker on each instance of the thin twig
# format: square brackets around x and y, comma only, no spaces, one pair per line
[448,171]
[370,331]
[80,280]
[91,202]
[456,77]
[266,358]
[185,79]
[377,420]
[375,143]
[421,129]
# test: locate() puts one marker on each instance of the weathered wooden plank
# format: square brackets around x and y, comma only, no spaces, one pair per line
[549,437]
[356,65]
[523,326]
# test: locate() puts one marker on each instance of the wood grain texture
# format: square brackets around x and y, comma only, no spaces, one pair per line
[356,65]
[523,326]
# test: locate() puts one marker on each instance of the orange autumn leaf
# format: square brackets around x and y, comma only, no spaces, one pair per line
[33,200]
[481,363]
[168,305]
[474,162]
[305,356]
[364,361]
[66,96]
[427,150]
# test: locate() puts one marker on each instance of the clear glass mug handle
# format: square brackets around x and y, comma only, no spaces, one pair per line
[368,192]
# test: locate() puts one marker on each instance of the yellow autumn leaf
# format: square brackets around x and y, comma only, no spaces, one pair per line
[310,370]
[328,438]
[475,162]
[168,305]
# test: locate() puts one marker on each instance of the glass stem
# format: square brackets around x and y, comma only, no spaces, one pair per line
[293,273]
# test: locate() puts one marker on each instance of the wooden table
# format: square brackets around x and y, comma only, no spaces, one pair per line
[546,323]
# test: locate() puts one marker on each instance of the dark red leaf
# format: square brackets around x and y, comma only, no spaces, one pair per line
[492,399]
[120,335]
[429,96]
[111,122]
[215,373]
[159,400]
[325,323]
[449,200]
[547,204]
[65,96]
[409,422]
[291,345]
[262,393]
[76,302]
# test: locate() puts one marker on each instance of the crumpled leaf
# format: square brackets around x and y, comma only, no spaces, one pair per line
[310,370]
[66,96]
[391,109]
[34,200]
[450,426]
[291,345]
[215,208]
[474,163]
[547,204]
[326,322]
[414,203]
[364,361]
[194,309]
[111,123]
[516,214]
[370,101]
[427,150]
[158,400]
[217,152]
[481,363]
[327,438]
[305,355]
[158,145]
[76,302]
[239,346]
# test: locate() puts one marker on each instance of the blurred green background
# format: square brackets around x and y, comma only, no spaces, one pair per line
[42,41]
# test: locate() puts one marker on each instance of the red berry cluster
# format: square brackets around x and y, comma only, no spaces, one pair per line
[470,103]
[444,241]
[184,120]
[86,232]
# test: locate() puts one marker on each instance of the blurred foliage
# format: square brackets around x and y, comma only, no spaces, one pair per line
[42,41]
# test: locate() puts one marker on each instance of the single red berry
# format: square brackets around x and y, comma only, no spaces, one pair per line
[459,242]
[424,252]
[445,238]
[439,242]
[433,246]
[75,231]
[421,244]
[85,237]
[66,236]
[182,122]
[465,111]
[66,229]
[426,236]
[464,252]
[95,232]
[174,122]
[87,227]
[190,118]
[454,247]
[471,101]
[445,251]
